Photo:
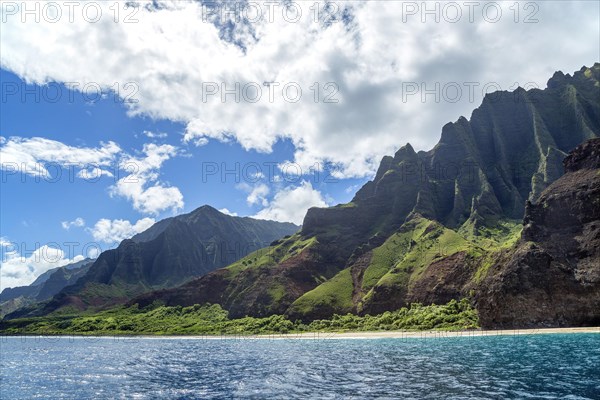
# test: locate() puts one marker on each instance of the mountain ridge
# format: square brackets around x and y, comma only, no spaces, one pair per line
[441,214]
[167,254]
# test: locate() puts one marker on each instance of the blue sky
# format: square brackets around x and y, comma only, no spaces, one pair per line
[213,174]
[148,107]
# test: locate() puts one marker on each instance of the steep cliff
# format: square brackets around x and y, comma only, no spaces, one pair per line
[552,276]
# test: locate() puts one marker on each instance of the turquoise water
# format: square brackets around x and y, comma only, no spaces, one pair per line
[500,367]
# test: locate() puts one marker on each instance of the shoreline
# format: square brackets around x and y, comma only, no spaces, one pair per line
[333,335]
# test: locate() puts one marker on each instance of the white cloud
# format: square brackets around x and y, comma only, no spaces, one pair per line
[155,135]
[352,188]
[170,52]
[256,176]
[77,222]
[35,155]
[201,141]
[226,211]
[17,270]
[257,194]
[290,204]
[141,185]
[116,230]
[93,252]
[93,173]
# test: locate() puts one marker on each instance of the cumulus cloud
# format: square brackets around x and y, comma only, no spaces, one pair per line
[257,193]
[116,230]
[34,156]
[291,203]
[77,222]
[141,185]
[18,270]
[362,57]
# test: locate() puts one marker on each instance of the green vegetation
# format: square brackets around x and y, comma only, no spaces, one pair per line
[399,263]
[391,252]
[276,291]
[403,258]
[502,234]
[346,205]
[456,315]
[278,252]
[332,295]
[213,320]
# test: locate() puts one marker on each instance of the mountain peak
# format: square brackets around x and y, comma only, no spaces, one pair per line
[557,79]
[206,209]
[202,211]
[405,152]
[169,253]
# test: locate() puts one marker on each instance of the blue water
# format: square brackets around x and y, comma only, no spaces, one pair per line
[499,367]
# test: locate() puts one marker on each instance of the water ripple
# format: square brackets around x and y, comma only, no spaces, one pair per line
[500,367]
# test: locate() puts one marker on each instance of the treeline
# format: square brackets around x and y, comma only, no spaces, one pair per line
[213,320]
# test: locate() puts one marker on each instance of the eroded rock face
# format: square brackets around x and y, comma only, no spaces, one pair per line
[483,168]
[552,277]
[443,280]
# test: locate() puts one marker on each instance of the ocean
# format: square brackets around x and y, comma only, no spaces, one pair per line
[555,366]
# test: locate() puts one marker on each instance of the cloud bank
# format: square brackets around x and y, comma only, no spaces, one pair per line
[372,75]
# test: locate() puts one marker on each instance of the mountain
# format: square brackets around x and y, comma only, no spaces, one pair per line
[552,276]
[44,287]
[429,227]
[167,254]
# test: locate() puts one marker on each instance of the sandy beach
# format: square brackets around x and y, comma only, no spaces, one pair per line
[353,335]
[411,334]
[338,335]
[401,334]
[438,334]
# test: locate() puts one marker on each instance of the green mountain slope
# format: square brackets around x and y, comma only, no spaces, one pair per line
[168,254]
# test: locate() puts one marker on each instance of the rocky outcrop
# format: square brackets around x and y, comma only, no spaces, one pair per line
[552,277]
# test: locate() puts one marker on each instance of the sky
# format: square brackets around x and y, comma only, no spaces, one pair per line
[115,115]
